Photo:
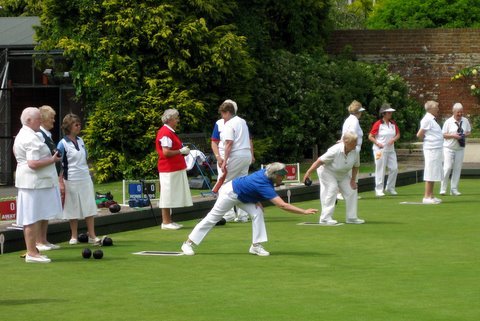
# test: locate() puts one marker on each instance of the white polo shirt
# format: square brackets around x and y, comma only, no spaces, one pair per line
[433,138]
[236,130]
[338,163]
[450,127]
[352,124]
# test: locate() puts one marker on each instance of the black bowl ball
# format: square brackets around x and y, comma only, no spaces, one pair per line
[98,254]
[83,238]
[114,208]
[308,182]
[107,241]
[86,253]
[221,222]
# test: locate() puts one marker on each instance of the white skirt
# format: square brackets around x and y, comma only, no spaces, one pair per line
[34,205]
[174,190]
[79,199]
[433,171]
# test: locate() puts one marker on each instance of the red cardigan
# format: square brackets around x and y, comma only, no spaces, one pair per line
[169,164]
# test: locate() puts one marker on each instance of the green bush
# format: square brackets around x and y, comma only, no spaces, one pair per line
[301,100]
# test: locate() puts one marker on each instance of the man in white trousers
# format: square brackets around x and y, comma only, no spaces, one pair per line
[246,193]
[455,130]
[333,170]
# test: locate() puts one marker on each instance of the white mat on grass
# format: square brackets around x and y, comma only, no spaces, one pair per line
[159,253]
[416,203]
[318,224]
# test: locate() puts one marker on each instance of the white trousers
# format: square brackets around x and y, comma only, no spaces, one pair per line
[387,160]
[237,166]
[452,163]
[329,185]
[226,200]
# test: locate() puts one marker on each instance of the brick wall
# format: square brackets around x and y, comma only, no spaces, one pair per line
[425,58]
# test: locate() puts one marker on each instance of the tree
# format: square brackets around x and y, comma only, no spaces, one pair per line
[15,8]
[132,60]
[415,14]
[350,16]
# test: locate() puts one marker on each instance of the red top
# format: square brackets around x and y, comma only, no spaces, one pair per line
[169,164]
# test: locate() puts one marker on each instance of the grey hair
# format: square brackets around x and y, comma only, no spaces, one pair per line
[235,107]
[169,114]
[349,137]
[457,107]
[272,169]
[27,114]
[430,104]
[46,111]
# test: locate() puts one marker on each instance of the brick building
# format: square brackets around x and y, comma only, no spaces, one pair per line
[426,58]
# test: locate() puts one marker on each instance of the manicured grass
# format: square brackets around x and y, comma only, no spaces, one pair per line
[408,262]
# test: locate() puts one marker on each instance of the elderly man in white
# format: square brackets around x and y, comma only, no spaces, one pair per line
[333,170]
[431,133]
[455,129]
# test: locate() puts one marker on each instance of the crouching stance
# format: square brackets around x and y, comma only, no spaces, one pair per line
[246,193]
[337,169]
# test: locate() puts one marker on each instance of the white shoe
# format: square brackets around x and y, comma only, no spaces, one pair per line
[95,241]
[455,193]
[187,248]
[171,226]
[73,241]
[37,259]
[392,192]
[379,194]
[177,225]
[437,200]
[430,201]
[355,221]
[243,219]
[258,250]
[340,196]
[43,247]
[442,193]
[53,246]
[328,222]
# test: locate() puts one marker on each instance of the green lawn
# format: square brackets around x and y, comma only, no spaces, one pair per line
[408,262]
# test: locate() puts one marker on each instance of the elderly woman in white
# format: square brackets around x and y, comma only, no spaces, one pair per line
[431,133]
[455,130]
[333,170]
[352,124]
[37,182]
[383,135]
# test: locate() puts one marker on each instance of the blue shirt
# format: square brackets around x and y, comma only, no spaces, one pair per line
[254,188]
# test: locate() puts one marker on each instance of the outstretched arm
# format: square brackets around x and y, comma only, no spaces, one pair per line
[280,203]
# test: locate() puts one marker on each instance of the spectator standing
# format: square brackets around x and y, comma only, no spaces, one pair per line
[455,131]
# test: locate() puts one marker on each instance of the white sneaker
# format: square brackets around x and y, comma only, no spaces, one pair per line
[442,193]
[437,200]
[176,224]
[43,247]
[429,201]
[187,248]
[37,259]
[379,194]
[455,193]
[258,250]
[73,241]
[243,219]
[328,222]
[392,192]
[95,241]
[171,226]
[340,196]
[53,246]
[355,221]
